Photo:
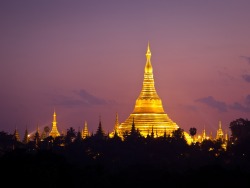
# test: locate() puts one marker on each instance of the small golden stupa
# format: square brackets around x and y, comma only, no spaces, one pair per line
[54,132]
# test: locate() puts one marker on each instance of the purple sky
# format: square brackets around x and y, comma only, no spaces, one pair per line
[86,59]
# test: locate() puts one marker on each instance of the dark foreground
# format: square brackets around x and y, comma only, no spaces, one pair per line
[21,168]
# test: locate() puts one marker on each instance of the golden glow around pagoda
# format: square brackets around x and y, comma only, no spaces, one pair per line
[219,133]
[115,127]
[148,111]
[54,132]
[85,131]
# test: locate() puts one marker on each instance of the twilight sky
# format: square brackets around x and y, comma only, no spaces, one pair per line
[86,59]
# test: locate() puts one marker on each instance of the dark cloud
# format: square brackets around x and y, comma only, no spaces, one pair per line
[90,99]
[246,77]
[81,97]
[210,101]
[240,107]
[222,107]
[246,58]
[66,101]
[248,100]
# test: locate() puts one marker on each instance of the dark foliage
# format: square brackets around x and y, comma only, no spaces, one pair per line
[192,131]
[240,129]
[136,161]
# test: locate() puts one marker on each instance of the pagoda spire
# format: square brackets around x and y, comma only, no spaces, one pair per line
[85,131]
[148,91]
[226,136]
[219,135]
[54,132]
[148,53]
[116,127]
[204,136]
[148,67]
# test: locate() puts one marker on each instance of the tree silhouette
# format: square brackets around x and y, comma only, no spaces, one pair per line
[100,135]
[178,134]
[134,134]
[46,130]
[26,137]
[79,136]
[192,132]
[70,135]
[5,141]
[240,129]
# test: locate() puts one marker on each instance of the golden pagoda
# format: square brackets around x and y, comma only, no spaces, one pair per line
[54,132]
[226,137]
[225,141]
[148,111]
[115,131]
[219,135]
[85,132]
[204,135]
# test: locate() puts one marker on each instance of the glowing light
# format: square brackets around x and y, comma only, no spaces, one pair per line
[54,132]
[148,114]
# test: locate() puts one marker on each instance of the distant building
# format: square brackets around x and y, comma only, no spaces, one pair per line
[115,131]
[54,132]
[85,131]
[219,135]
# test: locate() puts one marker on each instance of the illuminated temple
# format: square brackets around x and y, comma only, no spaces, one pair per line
[54,132]
[148,112]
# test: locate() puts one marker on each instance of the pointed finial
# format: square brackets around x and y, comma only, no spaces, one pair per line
[219,124]
[148,54]
[54,112]
[54,116]
[148,66]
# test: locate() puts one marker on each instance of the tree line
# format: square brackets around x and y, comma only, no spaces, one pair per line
[133,159]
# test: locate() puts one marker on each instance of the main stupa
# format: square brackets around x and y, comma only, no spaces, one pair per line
[148,114]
